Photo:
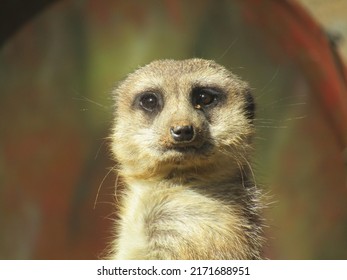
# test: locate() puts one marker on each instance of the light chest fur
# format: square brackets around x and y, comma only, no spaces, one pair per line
[161,222]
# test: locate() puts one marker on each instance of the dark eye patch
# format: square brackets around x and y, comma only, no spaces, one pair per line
[205,97]
[149,101]
[249,105]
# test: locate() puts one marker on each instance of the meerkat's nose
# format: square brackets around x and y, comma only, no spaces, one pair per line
[182,133]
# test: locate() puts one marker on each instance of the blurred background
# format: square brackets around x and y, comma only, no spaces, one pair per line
[56,75]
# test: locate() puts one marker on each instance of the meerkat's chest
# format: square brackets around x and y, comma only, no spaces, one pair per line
[170,217]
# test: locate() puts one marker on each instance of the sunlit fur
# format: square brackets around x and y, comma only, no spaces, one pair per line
[185,205]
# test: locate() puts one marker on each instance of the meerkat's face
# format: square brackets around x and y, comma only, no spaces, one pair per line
[181,115]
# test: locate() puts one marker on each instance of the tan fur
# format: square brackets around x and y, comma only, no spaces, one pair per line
[185,205]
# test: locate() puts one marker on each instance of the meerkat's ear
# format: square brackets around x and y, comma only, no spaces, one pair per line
[249,105]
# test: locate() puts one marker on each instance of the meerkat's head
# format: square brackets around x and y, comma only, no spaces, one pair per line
[188,118]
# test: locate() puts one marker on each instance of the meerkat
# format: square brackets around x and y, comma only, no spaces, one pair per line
[182,137]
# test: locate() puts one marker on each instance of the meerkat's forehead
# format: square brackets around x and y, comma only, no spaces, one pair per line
[187,65]
[176,68]
[186,73]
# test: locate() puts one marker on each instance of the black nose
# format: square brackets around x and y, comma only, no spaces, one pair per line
[182,133]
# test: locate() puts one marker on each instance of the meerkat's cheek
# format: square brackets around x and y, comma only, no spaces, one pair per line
[143,137]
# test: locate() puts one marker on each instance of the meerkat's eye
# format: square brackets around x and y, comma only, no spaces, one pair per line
[204,97]
[149,101]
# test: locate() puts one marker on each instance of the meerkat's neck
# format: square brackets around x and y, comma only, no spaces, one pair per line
[194,176]
[156,212]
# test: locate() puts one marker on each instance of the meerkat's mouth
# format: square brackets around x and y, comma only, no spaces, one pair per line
[184,149]
[190,150]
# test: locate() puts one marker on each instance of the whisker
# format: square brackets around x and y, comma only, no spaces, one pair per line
[116,189]
[250,168]
[100,185]
[271,126]
[228,48]
[83,98]
[99,149]
[279,105]
[274,76]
